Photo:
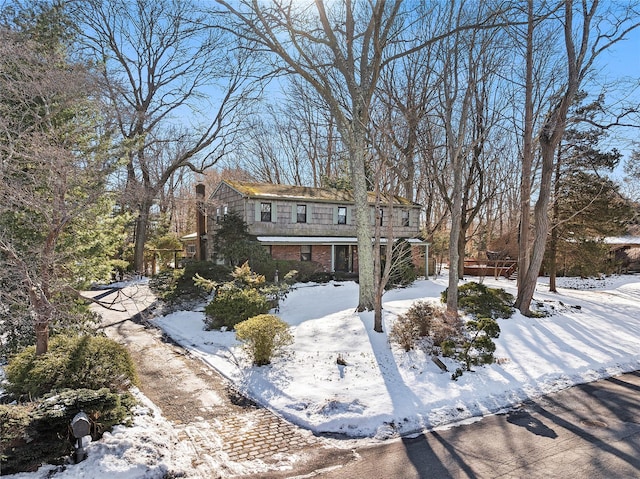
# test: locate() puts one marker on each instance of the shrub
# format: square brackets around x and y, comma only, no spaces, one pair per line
[480,301]
[37,433]
[178,286]
[404,333]
[263,336]
[475,347]
[91,362]
[422,320]
[232,305]
[305,270]
[403,271]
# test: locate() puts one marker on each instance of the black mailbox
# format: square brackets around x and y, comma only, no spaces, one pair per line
[81,425]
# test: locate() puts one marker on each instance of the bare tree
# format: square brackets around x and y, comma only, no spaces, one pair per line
[340,50]
[176,87]
[596,29]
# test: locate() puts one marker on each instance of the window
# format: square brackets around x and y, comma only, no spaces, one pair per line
[305,252]
[381,213]
[342,215]
[218,214]
[405,217]
[301,214]
[191,250]
[265,212]
[225,211]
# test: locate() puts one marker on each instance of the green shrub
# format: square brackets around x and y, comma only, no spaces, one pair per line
[475,347]
[480,301]
[91,362]
[263,336]
[403,271]
[305,270]
[232,305]
[38,432]
[177,286]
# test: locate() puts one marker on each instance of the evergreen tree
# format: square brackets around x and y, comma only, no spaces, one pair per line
[233,244]
[587,205]
[56,229]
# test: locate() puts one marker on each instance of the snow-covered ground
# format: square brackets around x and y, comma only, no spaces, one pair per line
[593,332]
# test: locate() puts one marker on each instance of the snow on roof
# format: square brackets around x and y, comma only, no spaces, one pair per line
[622,240]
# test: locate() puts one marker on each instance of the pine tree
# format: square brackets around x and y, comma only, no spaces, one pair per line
[56,230]
[587,205]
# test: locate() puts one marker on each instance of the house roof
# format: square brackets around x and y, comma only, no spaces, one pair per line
[324,240]
[273,191]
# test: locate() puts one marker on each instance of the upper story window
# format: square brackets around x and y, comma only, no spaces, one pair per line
[305,252]
[218,214]
[225,211]
[301,216]
[381,215]
[342,215]
[405,217]
[265,212]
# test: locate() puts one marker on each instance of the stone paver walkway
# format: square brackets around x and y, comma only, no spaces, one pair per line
[220,424]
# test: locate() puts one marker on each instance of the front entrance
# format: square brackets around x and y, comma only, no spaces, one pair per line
[343,258]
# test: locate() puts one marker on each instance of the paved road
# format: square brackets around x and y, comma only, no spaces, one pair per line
[589,431]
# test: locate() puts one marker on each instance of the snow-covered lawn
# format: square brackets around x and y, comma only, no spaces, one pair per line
[593,332]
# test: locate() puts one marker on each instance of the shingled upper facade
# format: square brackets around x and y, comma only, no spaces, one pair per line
[307,224]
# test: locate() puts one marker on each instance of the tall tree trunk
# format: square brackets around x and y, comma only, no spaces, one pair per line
[462,246]
[142,222]
[527,159]
[541,228]
[363,222]
[454,238]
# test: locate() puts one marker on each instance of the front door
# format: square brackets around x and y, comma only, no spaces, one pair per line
[341,258]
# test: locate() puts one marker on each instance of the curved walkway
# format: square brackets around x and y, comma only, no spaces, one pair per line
[206,412]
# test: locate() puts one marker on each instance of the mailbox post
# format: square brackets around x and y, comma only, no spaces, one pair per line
[81,428]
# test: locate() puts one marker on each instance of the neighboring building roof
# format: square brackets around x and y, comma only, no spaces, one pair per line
[271,191]
[622,240]
[190,236]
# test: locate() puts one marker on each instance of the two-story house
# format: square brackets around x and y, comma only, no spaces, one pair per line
[309,224]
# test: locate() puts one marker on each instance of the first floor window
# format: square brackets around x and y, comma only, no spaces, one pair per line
[305,252]
[265,212]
